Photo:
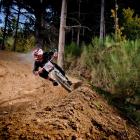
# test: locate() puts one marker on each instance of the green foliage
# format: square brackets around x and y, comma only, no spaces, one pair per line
[1,34]
[72,53]
[72,50]
[118,30]
[22,44]
[118,71]
[131,24]
[114,68]
[9,43]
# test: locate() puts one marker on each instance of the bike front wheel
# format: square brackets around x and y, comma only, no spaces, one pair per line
[62,80]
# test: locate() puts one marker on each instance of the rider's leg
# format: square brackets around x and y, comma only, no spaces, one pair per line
[70,83]
[53,81]
[59,68]
[62,71]
[44,74]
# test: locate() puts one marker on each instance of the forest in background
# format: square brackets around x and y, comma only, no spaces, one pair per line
[102,39]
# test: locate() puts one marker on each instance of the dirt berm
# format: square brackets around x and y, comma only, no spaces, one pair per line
[33,109]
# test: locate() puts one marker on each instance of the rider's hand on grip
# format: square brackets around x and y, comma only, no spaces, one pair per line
[35,73]
[55,55]
[40,70]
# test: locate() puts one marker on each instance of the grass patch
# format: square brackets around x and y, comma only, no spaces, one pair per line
[115,68]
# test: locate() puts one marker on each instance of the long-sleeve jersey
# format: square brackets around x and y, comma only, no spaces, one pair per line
[46,57]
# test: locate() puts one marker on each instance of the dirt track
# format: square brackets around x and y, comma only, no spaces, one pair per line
[31,108]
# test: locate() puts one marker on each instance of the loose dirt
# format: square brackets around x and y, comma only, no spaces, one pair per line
[31,108]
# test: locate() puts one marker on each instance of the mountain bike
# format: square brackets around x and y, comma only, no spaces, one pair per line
[57,75]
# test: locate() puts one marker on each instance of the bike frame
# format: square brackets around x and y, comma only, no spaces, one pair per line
[57,75]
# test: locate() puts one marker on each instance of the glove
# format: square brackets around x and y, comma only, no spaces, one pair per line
[55,55]
[35,73]
[40,70]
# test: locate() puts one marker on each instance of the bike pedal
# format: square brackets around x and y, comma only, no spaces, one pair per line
[69,82]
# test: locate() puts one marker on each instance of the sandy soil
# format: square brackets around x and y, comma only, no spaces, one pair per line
[33,109]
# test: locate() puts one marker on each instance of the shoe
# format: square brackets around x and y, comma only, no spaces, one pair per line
[55,83]
[69,82]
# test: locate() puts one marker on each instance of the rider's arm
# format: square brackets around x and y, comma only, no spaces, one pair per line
[48,55]
[36,68]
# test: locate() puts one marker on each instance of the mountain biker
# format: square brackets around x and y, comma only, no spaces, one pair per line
[41,58]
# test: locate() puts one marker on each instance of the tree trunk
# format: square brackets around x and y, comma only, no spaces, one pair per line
[102,24]
[40,23]
[5,26]
[78,30]
[38,28]
[72,35]
[17,22]
[62,34]
[116,20]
